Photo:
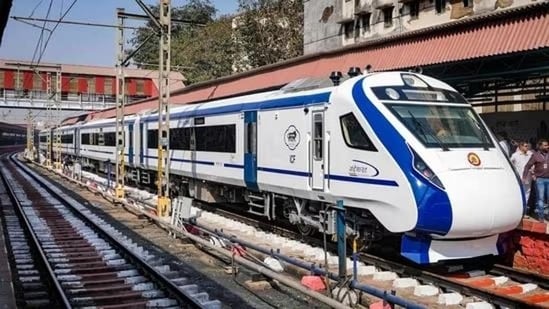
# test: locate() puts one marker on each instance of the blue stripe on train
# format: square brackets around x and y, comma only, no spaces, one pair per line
[434,208]
[304,100]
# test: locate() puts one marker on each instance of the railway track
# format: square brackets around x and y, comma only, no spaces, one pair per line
[497,284]
[66,257]
[494,283]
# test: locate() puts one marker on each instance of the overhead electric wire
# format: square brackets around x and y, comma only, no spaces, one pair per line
[55,27]
[37,5]
[41,38]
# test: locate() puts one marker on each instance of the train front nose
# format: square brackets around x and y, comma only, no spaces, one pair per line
[484,201]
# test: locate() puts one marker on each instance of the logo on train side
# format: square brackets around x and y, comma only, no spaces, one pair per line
[360,168]
[292,137]
[473,159]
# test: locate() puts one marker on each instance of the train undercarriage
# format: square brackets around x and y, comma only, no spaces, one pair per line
[307,216]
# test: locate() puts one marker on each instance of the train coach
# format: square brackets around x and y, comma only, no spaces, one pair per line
[405,153]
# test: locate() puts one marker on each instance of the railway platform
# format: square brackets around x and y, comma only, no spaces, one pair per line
[529,246]
[7,296]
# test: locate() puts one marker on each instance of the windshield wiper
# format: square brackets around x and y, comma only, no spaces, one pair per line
[419,127]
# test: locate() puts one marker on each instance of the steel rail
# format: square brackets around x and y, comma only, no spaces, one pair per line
[520,275]
[447,283]
[173,290]
[63,300]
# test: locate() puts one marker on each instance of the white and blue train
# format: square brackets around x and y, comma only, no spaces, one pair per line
[405,153]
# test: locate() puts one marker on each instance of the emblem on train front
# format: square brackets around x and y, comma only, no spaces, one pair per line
[473,159]
[291,137]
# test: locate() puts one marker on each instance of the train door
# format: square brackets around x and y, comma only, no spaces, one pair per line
[76,140]
[250,149]
[317,150]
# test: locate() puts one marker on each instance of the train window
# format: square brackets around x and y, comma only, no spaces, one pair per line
[43,139]
[152,138]
[66,139]
[180,138]
[251,141]
[216,138]
[109,139]
[85,139]
[318,135]
[354,134]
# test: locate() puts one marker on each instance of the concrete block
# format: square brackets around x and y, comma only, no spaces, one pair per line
[528,287]
[450,299]
[366,270]
[257,285]
[345,296]
[385,276]
[380,305]
[425,290]
[314,283]
[274,264]
[479,305]
[402,283]
[500,280]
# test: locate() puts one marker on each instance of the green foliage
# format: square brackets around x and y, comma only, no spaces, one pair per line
[205,53]
[200,14]
[267,31]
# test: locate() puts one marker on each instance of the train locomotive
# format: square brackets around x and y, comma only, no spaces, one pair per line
[406,154]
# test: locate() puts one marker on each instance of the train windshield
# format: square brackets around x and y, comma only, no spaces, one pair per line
[443,126]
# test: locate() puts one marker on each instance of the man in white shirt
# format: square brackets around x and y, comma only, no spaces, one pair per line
[519,160]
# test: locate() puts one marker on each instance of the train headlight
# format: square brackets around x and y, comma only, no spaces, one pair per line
[426,171]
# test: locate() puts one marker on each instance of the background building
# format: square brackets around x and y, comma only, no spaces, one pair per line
[77,89]
[331,24]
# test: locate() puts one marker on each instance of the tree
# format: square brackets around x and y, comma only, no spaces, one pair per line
[268,31]
[196,11]
[205,53]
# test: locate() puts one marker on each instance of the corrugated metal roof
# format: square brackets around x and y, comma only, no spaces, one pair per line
[503,32]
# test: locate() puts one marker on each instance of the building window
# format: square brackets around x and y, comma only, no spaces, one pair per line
[348,27]
[388,17]
[466,3]
[440,6]
[414,9]
[365,22]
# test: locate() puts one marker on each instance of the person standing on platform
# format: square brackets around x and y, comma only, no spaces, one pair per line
[540,162]
[519,159]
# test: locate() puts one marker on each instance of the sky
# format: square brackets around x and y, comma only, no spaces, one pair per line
[71,44]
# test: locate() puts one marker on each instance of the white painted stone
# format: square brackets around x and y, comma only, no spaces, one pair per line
[479,305]
[274,264]
[402,283]
[450,299]
[500,280]
[385,276]
[425,290]
[528,287]
[343,295]
[366,270]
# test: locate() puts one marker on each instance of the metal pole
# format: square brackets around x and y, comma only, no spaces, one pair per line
[163,176]
[48,123]
[120,102]
[341,245]
[57,119]
[30,136]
